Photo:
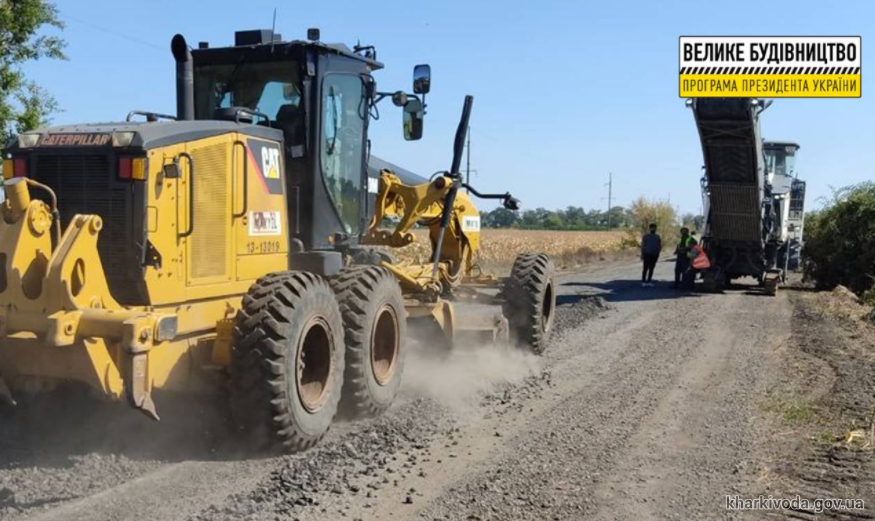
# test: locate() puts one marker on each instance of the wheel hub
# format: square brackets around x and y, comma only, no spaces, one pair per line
[313,367]
[385,345]
[547,308]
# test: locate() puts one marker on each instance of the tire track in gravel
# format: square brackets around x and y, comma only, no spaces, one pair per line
[186,489]
[162,494]
[611,448]
[553,467]
[694,449]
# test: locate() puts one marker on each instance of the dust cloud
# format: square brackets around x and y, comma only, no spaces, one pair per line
[459,378]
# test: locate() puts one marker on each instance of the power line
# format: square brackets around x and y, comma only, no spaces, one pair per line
[116,33]
[531,153]
[610,196]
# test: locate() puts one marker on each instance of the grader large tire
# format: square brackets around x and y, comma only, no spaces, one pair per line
[374,322]
[530,301]
[287,361]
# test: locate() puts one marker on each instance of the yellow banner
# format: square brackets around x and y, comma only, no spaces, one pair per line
[770,86]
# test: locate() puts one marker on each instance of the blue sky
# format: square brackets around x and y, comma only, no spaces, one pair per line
[565,91]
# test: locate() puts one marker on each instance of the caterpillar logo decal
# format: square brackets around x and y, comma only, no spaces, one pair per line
[770,66]
[265,159]
[74,140]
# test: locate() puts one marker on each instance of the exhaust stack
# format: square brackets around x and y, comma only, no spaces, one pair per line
[184,78]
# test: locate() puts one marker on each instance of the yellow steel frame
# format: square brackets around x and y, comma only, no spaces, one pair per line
[58,319]
[423,204]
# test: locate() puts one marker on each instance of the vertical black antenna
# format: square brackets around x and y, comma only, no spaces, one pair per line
[273,31]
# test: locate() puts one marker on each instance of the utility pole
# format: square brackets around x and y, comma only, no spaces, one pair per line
[610,195]
[468,160]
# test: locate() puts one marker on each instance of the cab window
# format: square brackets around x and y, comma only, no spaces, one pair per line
[266,87]
[344,114]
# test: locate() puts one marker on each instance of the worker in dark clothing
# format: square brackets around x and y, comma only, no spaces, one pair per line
[682,261]
[651,246]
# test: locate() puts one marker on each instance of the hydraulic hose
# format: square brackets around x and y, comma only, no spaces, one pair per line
[56,215]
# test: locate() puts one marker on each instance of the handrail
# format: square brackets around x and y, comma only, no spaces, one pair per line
[150,116]
[190,229]
[245,180]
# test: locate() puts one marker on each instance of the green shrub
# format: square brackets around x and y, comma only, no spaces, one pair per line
[840,241]
[642,212]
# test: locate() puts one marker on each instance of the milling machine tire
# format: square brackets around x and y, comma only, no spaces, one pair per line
[530,301]
[375,330]
[714,281]
[8,405]
[287,362]
[8,411]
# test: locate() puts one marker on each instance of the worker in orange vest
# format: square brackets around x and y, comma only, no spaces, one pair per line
[698,261]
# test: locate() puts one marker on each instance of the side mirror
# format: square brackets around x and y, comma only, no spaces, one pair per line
[421,79]
[413,117]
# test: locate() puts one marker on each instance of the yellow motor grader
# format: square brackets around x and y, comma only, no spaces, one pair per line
[244,237]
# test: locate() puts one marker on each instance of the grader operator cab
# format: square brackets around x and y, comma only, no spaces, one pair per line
[239,238]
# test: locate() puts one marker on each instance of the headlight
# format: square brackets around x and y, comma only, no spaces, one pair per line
[122,139]
[29,139]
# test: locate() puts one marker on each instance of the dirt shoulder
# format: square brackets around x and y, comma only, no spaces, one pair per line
[816,432]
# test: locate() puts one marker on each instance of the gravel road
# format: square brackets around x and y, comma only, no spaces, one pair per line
[647,405]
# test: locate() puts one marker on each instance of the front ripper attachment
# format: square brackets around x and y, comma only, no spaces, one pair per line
[58,320]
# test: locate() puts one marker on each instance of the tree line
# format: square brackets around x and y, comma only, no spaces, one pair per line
[571,218]
[637,216]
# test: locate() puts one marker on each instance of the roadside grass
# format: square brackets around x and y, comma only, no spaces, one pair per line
[827,437]
[796,412]
[793,411]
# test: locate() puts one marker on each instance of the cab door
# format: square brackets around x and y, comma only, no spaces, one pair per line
[341,204]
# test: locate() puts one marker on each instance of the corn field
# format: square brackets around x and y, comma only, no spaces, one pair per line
[498,248]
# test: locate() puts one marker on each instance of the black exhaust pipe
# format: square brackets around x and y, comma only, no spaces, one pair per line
[184,78]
